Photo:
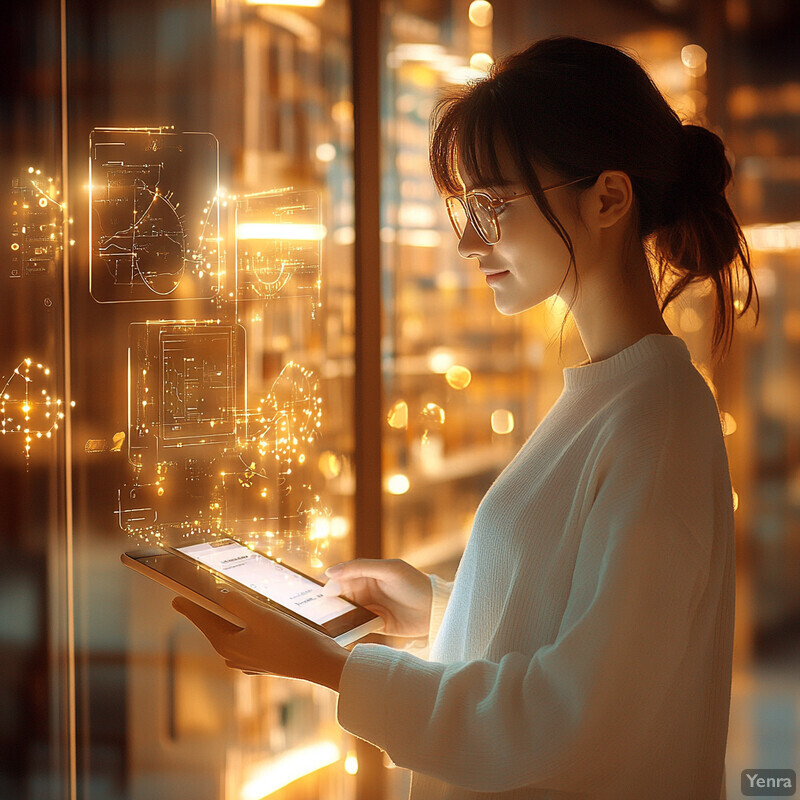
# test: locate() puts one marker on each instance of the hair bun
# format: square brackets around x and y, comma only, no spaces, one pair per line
[706,167]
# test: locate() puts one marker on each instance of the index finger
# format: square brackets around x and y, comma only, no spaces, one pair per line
[358,568]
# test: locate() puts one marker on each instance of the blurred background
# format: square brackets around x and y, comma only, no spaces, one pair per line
[232,304]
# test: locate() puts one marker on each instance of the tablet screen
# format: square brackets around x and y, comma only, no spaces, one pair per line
[269,578]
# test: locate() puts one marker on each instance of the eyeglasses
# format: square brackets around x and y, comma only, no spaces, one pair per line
[481,208]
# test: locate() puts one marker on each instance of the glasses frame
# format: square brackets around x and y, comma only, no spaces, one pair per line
[494,204]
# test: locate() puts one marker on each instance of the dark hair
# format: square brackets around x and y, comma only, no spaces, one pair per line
[578,108]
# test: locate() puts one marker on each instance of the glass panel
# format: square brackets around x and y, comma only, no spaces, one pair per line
[212,296]
[34,395]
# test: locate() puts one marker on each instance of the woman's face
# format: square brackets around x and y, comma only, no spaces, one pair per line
[529,262]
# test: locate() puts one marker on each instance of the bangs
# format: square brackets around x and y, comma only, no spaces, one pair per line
[466,123]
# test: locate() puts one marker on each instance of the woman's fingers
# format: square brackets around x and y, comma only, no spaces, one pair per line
[360,568]
[199,615]
[214,628]
[332,588]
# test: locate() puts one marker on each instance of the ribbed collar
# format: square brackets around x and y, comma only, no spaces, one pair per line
[648,347]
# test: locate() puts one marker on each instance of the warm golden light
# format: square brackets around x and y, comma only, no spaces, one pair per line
[458,377]
[330,464]
[481,13]
[481,61]
[276,230]
[502,421]
[417,51]
[440,361]
[351,764]
[325,152]
[397,484]
[773,238]
[23,411]
[418,237]
[433,413]
[398,415]
[342,111]
[319,528]
[728,424]
[289,767]
[296,3]
[694,58]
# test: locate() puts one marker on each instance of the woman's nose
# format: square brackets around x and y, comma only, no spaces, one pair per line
[470,245]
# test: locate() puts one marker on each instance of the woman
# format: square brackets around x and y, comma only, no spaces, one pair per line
[584,649]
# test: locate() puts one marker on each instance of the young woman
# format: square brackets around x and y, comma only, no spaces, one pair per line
[584,649]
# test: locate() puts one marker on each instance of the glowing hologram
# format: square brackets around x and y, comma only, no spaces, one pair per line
[36,225]
[249,474]
[154,222]
[28,410]
[187,388]
[278,242]
[288,419]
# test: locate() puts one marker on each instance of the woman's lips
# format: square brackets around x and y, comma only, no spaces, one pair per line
[495,277]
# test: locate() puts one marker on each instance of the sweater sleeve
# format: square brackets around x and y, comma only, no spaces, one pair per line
[440,595]
[441,591]
[567,716]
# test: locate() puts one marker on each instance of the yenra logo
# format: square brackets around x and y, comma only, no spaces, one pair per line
[769,782]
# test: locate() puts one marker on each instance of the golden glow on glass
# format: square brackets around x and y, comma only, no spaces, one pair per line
[291,415]
[481,13]
[502,421]
[277,230]
[319,527]
[397,483]
[398,415]
[273,775]
[458,377]
[735,499]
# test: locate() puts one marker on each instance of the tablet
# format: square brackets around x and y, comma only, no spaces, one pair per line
[201,571]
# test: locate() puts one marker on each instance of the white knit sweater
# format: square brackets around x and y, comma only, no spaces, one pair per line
[586,648]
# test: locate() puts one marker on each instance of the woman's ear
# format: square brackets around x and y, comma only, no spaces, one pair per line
[609,200]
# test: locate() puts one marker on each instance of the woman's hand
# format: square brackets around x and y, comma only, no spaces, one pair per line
[391,588]
[270,642]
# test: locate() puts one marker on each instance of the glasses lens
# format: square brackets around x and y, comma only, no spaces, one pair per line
[457,214]
[485,218]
